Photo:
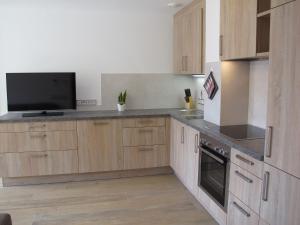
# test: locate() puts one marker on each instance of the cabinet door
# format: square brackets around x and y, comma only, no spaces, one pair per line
[191,160]
[276,3]
[189,39]
[239,213]
[177,148]
[282,145]
[99,145]
[238,29]
[281,198]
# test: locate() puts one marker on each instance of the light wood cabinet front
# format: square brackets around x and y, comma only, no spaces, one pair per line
[38,141]
[239,213]
[281,198]
[39,163]
[238,29]
[144,136]
[145,157]
[282,146]
[99,145]
[189,34]
[246,187]
[276,3]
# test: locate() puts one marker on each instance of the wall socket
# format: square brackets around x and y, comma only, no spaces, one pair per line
[87,102]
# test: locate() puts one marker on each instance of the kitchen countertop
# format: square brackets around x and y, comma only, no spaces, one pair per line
[253,148]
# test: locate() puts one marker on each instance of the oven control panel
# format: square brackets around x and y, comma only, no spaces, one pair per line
[213,144]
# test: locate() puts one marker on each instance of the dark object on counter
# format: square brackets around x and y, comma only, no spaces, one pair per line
[5,219]
[187,95]
[211,86]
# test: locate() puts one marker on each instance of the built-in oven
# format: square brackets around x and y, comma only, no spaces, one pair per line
[214,169]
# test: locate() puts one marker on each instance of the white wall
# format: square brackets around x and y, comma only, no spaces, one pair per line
[89,37]
[258,92]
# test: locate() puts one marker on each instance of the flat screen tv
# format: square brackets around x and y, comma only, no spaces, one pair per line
[41,91]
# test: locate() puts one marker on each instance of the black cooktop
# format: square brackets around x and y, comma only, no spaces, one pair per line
[242,132]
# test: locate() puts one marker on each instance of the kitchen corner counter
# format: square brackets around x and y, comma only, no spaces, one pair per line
[253,148]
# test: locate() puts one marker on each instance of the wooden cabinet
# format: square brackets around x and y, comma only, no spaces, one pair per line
[146,157]
[39,163]
[191,159]
[246,187]
[281,198]
[238,29]
[282,139]
[189,39]
[99,145]
[239,213]
[38,141]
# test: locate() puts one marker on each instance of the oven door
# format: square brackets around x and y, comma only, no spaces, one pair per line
[212,175]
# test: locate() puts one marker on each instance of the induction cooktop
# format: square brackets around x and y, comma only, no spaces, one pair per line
[243,132]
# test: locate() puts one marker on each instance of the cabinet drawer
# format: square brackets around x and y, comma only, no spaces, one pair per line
[239,213]
[38,126]
[144,136]
[144,122]
[38,141]
[246,162]
[145,157]
[245,186]
[39,163]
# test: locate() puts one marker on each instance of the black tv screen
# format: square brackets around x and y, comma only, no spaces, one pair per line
[41,91]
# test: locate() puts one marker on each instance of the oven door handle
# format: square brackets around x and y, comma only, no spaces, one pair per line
[212,156]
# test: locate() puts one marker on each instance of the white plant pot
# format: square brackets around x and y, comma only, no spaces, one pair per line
[121,108]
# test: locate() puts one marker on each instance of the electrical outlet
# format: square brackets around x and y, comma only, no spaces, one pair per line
[87,102]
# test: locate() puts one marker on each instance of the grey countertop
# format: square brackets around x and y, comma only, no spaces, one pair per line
[253,148]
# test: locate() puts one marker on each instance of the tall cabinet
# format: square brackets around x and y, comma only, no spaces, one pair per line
[281,196]
[189,39]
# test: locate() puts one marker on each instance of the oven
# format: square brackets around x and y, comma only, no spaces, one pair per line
[214,169]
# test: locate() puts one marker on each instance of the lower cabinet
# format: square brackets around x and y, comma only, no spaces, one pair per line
[99,145]
[30,164]
[239,213]
[145,157]
[280,203]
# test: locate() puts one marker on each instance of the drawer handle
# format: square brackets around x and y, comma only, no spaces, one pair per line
[146,121]
[39,156]
[144,149]
[37,126]
[101,123]
[196,143]
[266,186]
[243,177]
[244,160]
[243,211]
[39,136]
[145,131]
[182,135]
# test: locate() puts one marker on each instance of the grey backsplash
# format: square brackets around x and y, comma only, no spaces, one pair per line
[147,91]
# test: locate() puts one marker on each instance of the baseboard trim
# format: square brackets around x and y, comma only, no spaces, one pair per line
[23,181]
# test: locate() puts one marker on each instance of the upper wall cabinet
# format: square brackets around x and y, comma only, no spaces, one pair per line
[245,29]
[189,39]
[282,139]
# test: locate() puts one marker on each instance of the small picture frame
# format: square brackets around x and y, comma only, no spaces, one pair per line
[211,86]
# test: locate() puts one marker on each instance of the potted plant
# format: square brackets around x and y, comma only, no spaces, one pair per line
[122,101]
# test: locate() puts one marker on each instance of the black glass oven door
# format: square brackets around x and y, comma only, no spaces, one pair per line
[213,174]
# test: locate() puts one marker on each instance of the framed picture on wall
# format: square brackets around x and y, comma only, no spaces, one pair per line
[211,86]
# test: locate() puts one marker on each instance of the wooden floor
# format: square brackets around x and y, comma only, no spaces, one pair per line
[135,201]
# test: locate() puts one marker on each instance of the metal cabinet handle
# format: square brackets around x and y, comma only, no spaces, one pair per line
[37,126]
[268,141]
[182,135]
[196,143]
[243,211]
[101,123]
[266,186]
[145,149]
[186,63]
[221,45]
[243,177]
[39,136]
[244,160]
[145,121]
[39,155]
[145,131]
[182,64]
